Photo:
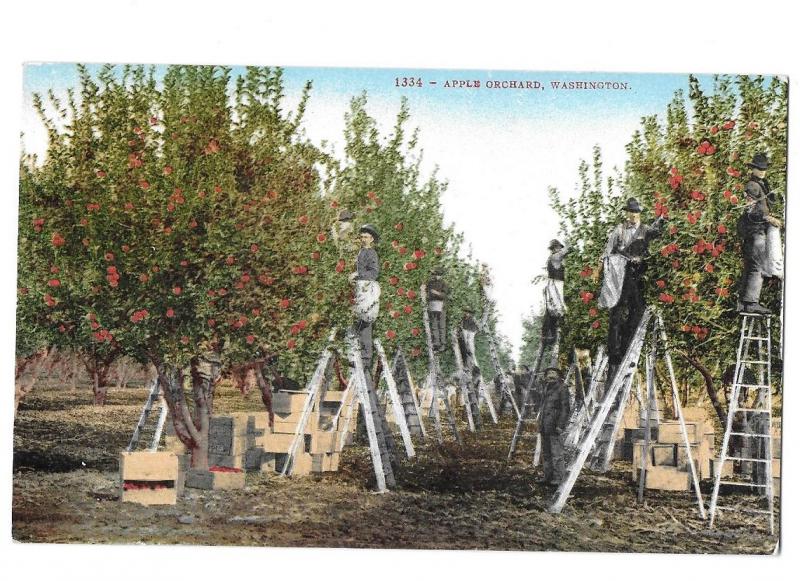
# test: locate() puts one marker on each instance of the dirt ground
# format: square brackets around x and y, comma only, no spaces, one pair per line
[448,497]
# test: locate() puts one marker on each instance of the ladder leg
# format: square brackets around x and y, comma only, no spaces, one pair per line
[729,423]
[679,411]
[631,358]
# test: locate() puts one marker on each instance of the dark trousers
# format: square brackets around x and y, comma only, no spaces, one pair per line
[553,457]
[550,326]
[626,314]
[364,332]
[438,330]
[755,252]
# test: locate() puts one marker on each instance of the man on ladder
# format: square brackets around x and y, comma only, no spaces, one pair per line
[555,308]
[762,256]
[623,267]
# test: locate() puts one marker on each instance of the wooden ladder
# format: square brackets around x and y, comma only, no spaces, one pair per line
[754,354]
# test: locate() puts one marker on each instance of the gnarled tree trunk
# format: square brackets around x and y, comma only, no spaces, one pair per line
[27,373]
[710,389]
[192,425]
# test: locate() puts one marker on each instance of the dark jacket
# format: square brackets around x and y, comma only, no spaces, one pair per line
[437,289]
[555,407]
[753,220]
[367,265]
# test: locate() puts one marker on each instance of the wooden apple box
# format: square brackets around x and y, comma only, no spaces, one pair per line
[149,477]
[324,442]
[670,432]
[277,443]
[282,426]
[325,462]
[287,402]
[215,480]
[666,478]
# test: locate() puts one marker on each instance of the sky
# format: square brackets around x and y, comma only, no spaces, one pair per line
[499,149]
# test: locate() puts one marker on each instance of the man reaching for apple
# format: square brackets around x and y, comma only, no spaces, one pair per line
[762,257]
[623,268]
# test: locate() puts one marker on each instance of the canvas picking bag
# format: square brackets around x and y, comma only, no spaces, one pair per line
[367,297]
[773,261]
[613,277]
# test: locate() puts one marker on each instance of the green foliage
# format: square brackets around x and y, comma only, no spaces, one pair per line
[380,182]
[531,334]
[168,218]
[691,167]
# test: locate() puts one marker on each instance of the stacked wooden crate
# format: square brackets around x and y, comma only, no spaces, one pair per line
[776,456]
[149,477]
[668,463]
[326,427]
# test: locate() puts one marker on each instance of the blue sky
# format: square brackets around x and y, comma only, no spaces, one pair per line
[499,149]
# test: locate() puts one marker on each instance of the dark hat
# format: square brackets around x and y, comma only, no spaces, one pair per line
[345,216]
[760,161]
[632,205]
[438,270]
[370,229]
[555,244]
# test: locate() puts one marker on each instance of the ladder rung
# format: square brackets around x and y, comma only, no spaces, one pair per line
[754,386]
[755,361]
[735,483]
[740,459]
[751,410]
[756,338]
[750,510]
[750,435]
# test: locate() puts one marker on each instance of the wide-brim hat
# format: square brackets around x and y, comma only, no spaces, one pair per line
[370,229]
[555,244]
[632,205]
[760,161]
[345,216]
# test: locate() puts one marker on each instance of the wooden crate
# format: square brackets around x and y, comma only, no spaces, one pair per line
[324,442]
[277,443]
[211,480]
[148,465]
[287,402]
[149,478]
[670,432]
[665,478]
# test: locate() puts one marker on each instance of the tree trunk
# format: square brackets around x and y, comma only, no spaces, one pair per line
[266,391]
[710,389]
[192,427]
[33,364]
[76,365]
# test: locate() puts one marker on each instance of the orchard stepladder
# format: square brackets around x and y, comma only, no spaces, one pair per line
[408,396]
[465,383]
[598,439]
[528,415]
[434,378]
[394,398]
[374,421]
[153,396]
[317,386]
[582,416]
[751,401]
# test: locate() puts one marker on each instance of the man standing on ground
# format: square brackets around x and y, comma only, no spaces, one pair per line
[554,419]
